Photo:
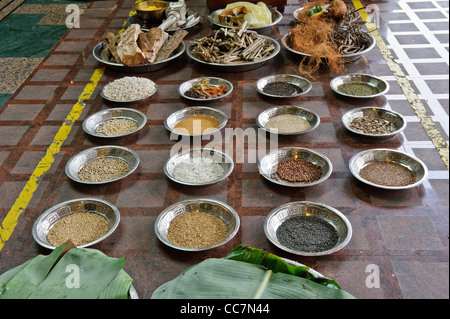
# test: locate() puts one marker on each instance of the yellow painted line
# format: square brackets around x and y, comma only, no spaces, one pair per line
[430,127]
[21,203]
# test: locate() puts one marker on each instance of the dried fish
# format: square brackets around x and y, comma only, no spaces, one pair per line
[230,46]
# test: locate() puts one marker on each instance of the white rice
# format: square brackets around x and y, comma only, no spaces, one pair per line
[129,88]
[198,170]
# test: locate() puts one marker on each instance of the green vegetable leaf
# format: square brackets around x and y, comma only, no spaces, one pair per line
[226,278]
[276,264]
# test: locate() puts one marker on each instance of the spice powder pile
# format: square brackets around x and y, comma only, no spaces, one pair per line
[196,230]
[197,124]
[287,124]
[80,228]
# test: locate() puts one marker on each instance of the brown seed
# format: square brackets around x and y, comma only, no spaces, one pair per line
[80,228]
[103,169]
[388,174]
[196,230]
[298,171]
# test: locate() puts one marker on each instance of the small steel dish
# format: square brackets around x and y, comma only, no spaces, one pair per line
[347,58]
[213,18]
[394,118]
[364,158]
[235,67]
[214,207]
[125,101]
[186,86]
[304,208]
[223,159]
[371,80]
[297,11]
[140,68]
[187,112]
[308,115]
[93,122]
[48,219]
[267,166]
[151,16]
[299,81]
[75,163]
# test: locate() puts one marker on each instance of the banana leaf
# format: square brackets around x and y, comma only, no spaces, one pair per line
[227,278]
[20,282]
[277,264]
[95,272]
[67,273]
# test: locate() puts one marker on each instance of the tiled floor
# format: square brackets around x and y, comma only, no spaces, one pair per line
[404,233]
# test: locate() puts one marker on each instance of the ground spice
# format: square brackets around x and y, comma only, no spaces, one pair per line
[358,89]
[103,169]
[196,230]
[198,170]
[388,174]
[282,89]
[372,125]
[80,228]
[298,171]
[287,124]
[307,234]
[197,124]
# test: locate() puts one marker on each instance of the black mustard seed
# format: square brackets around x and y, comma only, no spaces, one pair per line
[307,234]
[281,89]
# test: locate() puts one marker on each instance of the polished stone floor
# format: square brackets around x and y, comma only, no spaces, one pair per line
[46,67]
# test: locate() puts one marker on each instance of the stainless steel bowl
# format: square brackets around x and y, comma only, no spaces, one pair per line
[93,122]
[347,58]
[299,81]
[187,112]
[267,166]
[213,18]
[305,208]
[364,158]
[235,67]
[102,93]
[74,164]
[151,16]
[223,159]
[308,115]
[374,81]
[394,118]
[213,81]
[48,219]
[140,68]
[217,208]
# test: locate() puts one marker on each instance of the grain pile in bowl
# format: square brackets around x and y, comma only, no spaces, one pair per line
[129,88]
[196,229]
[81,228]
[103,169]
[116,126]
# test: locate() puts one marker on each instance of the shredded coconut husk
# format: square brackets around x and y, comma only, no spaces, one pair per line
[315,38]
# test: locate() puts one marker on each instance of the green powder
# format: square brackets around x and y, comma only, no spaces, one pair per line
[358,89]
